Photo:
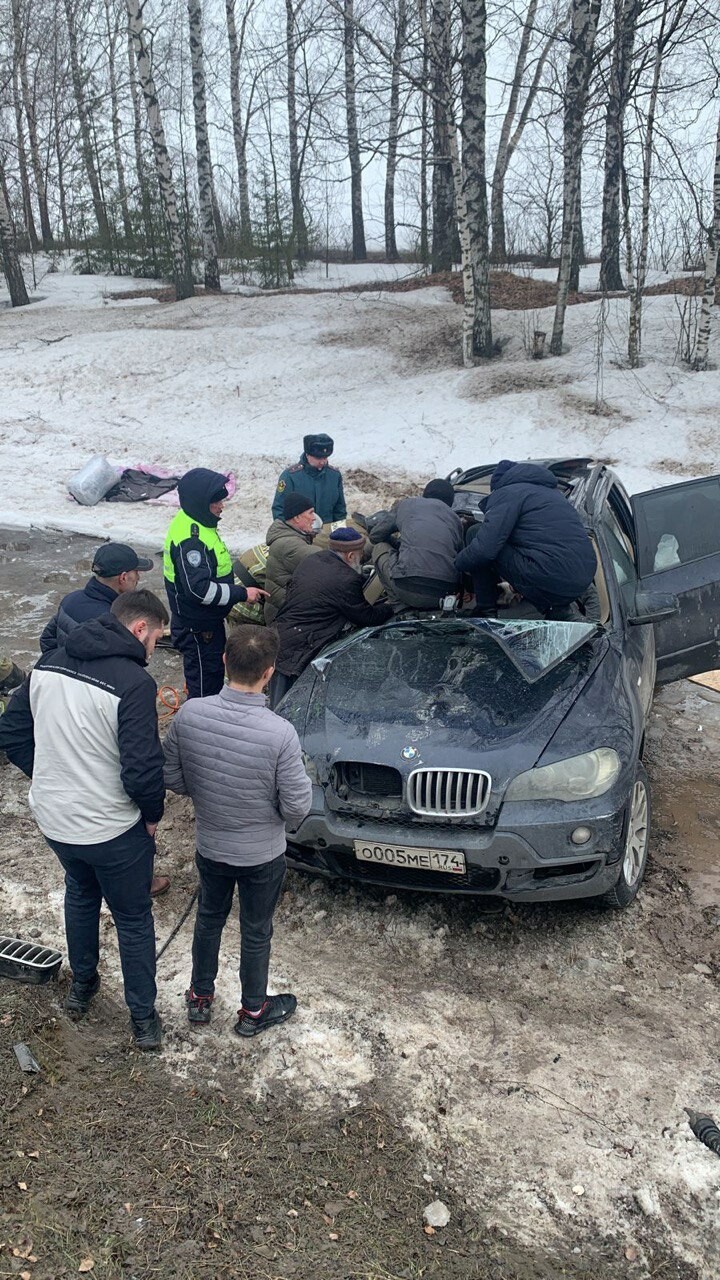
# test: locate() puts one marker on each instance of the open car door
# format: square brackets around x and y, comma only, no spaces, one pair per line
[678,550]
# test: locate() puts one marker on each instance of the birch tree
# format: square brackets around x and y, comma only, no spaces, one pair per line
[112,31]
[474,188]
[182,269]
[240,122]
[359,250]
[401,19]
[202,144]
[700,359]
[84,123]
[20,57]
[28,215]
[626,14]
[583,30]
[11,263]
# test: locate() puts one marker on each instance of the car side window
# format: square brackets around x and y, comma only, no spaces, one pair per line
[678,524]
[623,564]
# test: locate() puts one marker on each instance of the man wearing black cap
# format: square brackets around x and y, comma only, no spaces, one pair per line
[420,571]
[316,479]
[116,569]
[326,594]
[290,541]
[200,582]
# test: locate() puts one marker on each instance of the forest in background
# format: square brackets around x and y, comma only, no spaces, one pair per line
[193,138]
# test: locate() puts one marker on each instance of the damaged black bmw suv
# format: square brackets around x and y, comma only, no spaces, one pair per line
[504,757]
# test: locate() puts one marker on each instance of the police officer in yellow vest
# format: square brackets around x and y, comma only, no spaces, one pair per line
[200,582]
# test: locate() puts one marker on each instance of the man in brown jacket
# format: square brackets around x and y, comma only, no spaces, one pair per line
[290,541]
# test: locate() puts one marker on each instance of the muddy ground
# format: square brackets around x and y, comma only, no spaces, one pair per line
[529,1067]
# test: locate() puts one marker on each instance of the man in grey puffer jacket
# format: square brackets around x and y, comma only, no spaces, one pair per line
[242,767]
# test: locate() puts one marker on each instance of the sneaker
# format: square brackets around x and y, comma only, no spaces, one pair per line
[147,1032]
[79,997]
[276,1009]
[199,1008]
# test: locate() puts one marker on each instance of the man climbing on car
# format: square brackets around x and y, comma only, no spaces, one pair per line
[532,538]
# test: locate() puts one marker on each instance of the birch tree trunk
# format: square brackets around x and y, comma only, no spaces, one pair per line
[637,286]
[29,105]
[583,30]
[84,122]
[391,249]
[239,131]
[28,215]
[502,159]
[445,243]
[202,145]
[182,269]
[626,17]
[474,187]
[424,139]
[700,359]
[140,165]
[111,27]
[299,227]
[11,263]
[359,251]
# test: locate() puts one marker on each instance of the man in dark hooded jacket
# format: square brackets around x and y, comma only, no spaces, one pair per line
[200,582]
[532,538]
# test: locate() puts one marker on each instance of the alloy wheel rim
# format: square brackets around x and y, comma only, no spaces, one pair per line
[637,835]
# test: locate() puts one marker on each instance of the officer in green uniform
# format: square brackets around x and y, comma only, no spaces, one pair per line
[200,582]
[314,478]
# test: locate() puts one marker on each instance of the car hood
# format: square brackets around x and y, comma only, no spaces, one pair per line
[439,692]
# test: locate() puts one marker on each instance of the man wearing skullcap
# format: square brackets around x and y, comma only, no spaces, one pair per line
[314,478]
[325,595]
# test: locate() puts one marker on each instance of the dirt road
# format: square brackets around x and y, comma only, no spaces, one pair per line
[527,1067]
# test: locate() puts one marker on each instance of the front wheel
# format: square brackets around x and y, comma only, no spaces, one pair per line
[635,847]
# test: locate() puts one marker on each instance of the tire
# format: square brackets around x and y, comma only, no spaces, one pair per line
[633,860]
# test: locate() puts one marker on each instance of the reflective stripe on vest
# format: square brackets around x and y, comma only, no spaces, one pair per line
[182,528]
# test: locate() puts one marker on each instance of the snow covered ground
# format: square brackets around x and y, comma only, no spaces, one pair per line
[235,382]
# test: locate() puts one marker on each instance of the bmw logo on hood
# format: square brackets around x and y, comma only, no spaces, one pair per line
[410,753]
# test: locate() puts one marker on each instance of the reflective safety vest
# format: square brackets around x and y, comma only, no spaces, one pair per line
[182,528]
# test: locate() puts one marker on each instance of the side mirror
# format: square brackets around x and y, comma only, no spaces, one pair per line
[653,606]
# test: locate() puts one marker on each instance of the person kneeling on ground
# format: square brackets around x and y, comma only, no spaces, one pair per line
[84,728]
[532,537]
[242,767]
[421,572]
[326,593]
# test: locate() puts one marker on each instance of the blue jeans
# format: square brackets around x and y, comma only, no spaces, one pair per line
[258,890]
[120,871]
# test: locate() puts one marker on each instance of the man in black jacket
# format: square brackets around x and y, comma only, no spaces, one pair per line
[326,593]
[84,728]
[420,571]
[200,581]
[116,569]
[532,538]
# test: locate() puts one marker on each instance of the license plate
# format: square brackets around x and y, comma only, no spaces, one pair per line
[394,855]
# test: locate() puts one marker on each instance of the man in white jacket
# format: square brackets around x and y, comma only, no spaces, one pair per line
[242,766]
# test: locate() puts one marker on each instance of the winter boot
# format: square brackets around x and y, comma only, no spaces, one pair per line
[147,1032]
[79,997]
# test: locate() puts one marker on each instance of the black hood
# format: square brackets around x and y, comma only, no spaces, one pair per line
[507,472]
[196,491]
[104,637]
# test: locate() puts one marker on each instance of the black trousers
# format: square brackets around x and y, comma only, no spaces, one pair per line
[258,890]
[202,655]
[120,871]
[278,687]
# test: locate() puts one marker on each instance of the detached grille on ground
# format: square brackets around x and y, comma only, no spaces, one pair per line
[28,961]
[448,793]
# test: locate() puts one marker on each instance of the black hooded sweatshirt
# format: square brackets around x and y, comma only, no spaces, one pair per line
[203,590]
[84,727]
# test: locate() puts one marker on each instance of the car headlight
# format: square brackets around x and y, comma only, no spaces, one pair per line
[579,778]
[310,767]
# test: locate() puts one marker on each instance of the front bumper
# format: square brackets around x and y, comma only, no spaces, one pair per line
[528,861]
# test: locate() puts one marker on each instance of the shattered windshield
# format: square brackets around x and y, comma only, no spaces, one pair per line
[534,646]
